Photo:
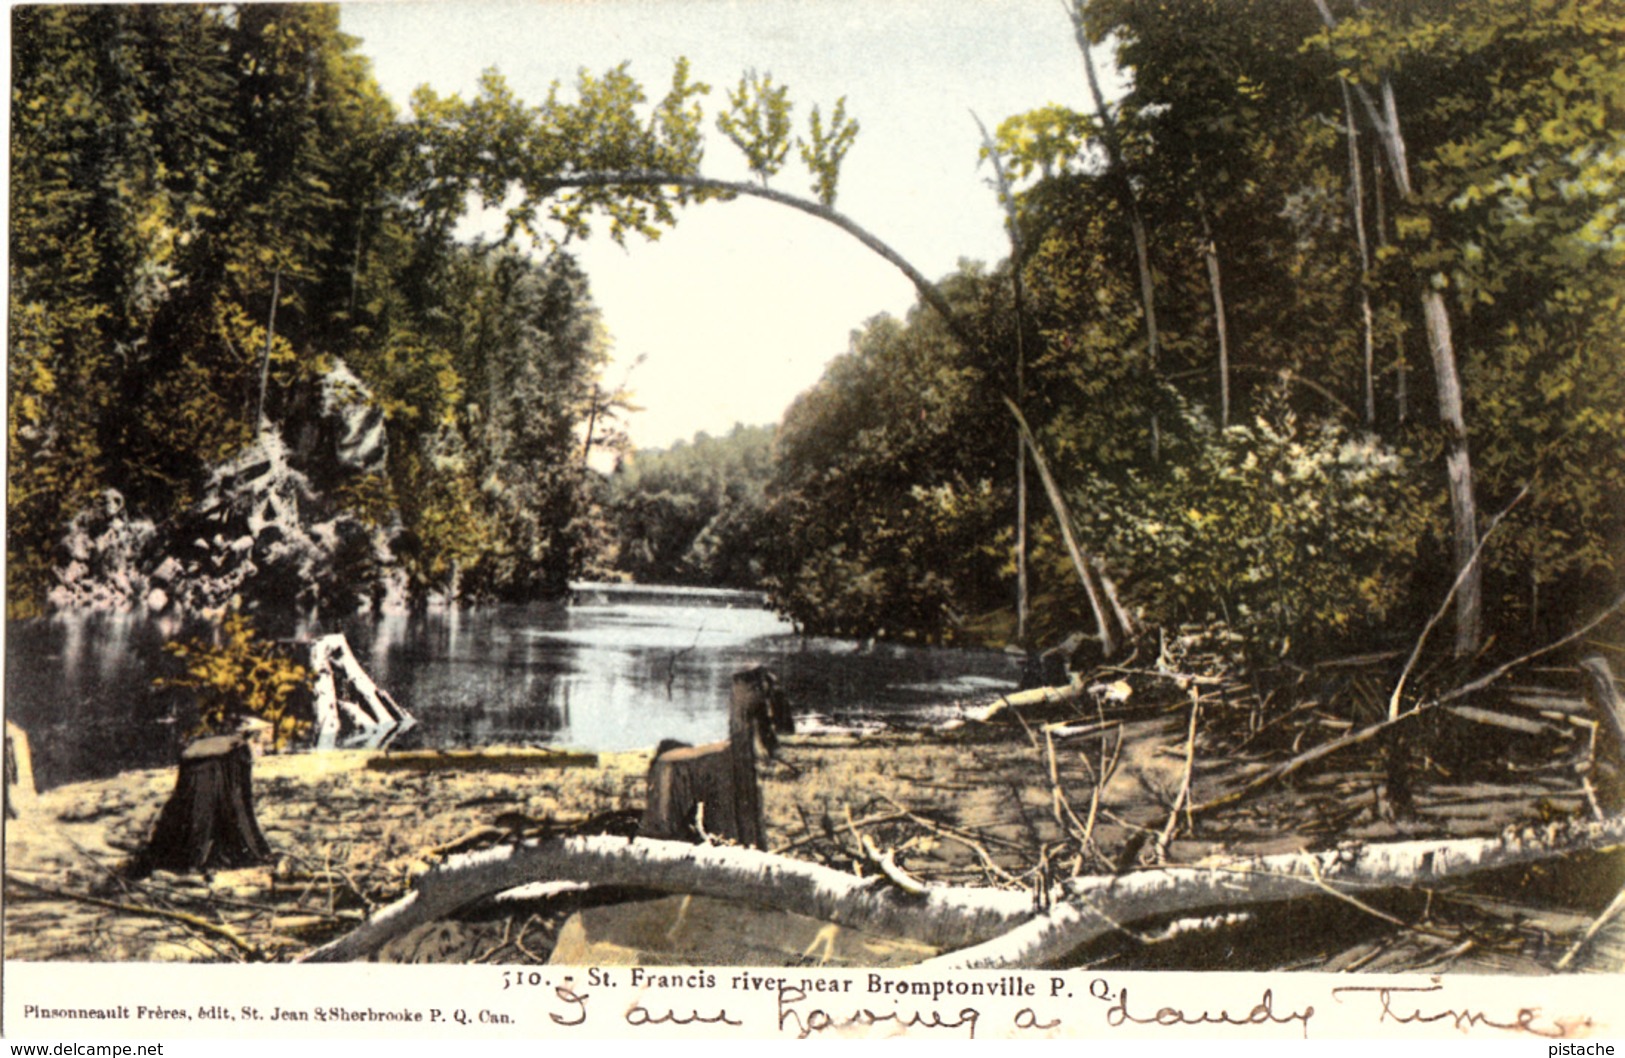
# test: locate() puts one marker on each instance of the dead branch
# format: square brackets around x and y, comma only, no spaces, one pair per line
[194,921]
[1608,915]
[1371,731]
[1183,798]
[1449,597]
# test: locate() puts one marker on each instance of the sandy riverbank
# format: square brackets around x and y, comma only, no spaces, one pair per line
[979,806]
[349,835]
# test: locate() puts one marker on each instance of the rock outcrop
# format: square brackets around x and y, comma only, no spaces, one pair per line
[266,528]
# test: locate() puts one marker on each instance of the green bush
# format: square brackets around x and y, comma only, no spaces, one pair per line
[1292,533]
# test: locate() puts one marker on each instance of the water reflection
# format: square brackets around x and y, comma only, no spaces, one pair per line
[611,673]
[607,675]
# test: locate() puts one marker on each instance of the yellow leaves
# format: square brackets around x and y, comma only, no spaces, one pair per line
[1413,226]
[236,676]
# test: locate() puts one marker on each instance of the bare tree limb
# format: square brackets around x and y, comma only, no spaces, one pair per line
[1444,607]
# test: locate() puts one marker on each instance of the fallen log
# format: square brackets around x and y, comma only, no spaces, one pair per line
[944,917]
[1094,907]
[481,760]
[980,927]
[977,927]
[1074,690]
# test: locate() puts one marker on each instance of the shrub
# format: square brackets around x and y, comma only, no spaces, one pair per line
[1291,533]
[236,675]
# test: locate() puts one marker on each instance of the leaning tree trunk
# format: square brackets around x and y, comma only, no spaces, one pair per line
[209,821]
[1063,516]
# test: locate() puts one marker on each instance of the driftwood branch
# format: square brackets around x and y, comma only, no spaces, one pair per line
[226,933]
[1371,731]
[343,692]
[1444,606]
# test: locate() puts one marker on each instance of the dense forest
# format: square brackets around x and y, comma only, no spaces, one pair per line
[1314,330]
[1314,298]
[246,355]
[694,513]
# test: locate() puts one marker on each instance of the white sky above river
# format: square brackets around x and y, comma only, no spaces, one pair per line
[740,307]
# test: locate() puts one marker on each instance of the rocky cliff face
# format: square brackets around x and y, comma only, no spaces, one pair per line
[265,531]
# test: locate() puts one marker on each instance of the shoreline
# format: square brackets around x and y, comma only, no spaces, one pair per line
[973,805]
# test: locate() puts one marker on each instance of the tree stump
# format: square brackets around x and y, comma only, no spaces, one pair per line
[209,821]
[712,790]
[345,707]
[20,789]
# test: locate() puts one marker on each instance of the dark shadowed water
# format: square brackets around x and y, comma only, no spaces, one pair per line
[611,672]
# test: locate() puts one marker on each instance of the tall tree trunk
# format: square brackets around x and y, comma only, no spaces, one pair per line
[1401,366]
[1018,307]
[1131,206]
[1447,380]
[265,355]
[1357,208]
[1210,252]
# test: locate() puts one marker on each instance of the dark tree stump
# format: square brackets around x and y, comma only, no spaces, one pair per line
[695,791]
[209,822]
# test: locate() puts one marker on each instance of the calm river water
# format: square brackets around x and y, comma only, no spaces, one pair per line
[606,673]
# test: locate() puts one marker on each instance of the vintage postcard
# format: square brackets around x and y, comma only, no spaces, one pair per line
[551,519]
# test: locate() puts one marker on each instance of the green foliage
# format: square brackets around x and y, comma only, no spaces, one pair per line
[824,151]
[890,500]
[695,513]
[183,174]
[1292,533]
[601,150]
[235,676]
[757,121]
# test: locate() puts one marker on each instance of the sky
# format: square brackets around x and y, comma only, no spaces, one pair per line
[740,307]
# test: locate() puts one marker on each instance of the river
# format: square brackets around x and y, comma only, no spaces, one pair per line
[610,671]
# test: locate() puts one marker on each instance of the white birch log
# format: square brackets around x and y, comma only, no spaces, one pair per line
[943,917]
[1096,906]
[989,927]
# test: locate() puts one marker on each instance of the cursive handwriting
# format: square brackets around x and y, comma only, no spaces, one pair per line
[1263,1012]
[566,994]
[806,1023]
[1527,1019]
[640,1015]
